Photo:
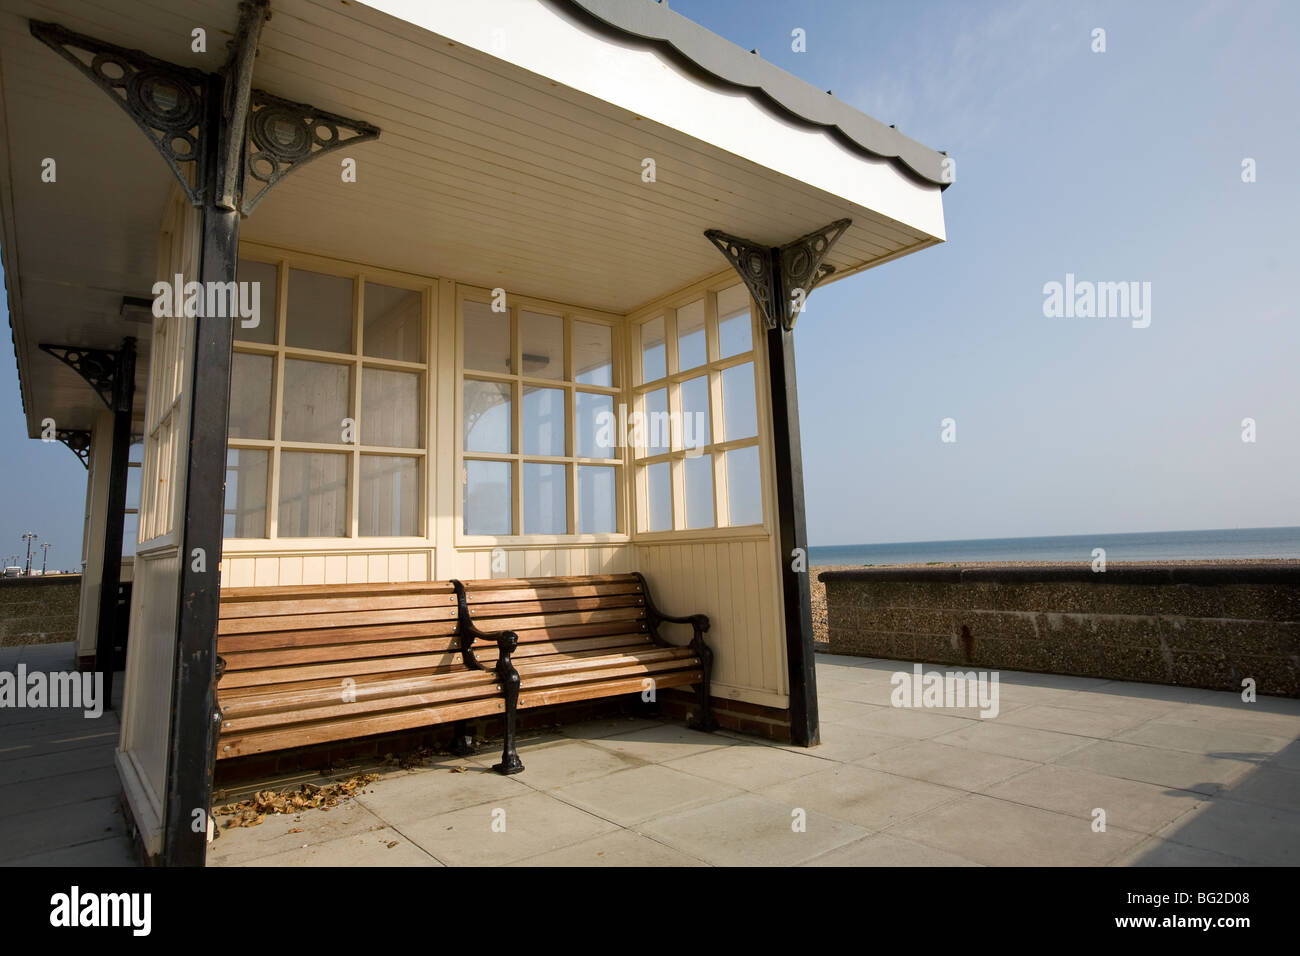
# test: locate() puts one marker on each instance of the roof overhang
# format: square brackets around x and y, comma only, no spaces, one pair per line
[512,148]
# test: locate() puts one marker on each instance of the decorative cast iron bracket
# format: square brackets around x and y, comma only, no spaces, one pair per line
[165,100]
[781,278]
[78,440]
[98,367]
[284,136]
[170,105]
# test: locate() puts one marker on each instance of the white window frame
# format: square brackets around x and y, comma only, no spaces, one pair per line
[518,381]
[676,456]
[426,286]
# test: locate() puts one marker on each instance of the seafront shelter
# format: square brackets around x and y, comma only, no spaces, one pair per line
[515,291]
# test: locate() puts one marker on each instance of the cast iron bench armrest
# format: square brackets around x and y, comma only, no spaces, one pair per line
[469,632]
[506,642]
[655,617]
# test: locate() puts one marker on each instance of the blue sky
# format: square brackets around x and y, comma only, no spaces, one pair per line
[1115,166]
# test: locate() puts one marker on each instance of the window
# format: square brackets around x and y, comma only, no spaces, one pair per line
[539,437]
[696,416]
[327,428]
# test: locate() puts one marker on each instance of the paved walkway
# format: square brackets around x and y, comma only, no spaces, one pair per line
[1185,777]
[58,786]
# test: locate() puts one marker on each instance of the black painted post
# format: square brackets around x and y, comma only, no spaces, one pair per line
[106,637]
[189,773]
[805,730]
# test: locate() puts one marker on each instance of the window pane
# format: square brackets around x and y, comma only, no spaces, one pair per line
[695,412]
[486,416]
[487,338]
[692,348]
[744,490]
[393,329]
[250,396]
[390,496]
[655,424]
[487,497]
[597,435]
[320,312]
[130,534]
[734,334]
[543,423]
[597,511]
[317,397]
[313,495]
[699,492]
[593,354]
[542,337]
[545,497]
[390,408]
[133,477]
[739,408]
[264,274]
[245,514]
[654,356]
[659,497]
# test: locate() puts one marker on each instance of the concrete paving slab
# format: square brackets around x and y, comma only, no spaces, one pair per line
[566,761]
[383,847]
[1268,836]
[618,848]
[1129,804]
[421,794]
[998,833]
[956,767]
[662,742]
[526,826]
[1157,852]
[867,798]
[1079,721]
[284,831]
[752,766]
[884,849]
[1268,786]
[652,790]
[1199,739]
[1169,768]
[750,830]
[1009,740]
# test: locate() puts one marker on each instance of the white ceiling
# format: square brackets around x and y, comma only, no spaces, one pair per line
[484,172]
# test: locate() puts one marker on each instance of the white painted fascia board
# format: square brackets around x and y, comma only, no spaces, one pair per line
[537,38]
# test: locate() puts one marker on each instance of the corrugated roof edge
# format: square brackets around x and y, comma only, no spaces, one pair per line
[700,49]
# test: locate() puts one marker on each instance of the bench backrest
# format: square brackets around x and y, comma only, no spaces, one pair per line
[315,635]
[559,615]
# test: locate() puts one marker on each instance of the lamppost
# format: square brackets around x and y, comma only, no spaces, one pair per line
[29,537]
[45,553]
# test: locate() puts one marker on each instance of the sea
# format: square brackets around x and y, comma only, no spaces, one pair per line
[1225,543]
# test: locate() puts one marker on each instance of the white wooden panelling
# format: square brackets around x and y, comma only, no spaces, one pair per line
[736,583]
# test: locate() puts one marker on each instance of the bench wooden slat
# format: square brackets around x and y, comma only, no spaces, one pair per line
[340,670]
[269,608]
[299,622]
[339,635]
[302,735]
[476,597]
[489,612]
[492,584]
[279,657]
[528,622]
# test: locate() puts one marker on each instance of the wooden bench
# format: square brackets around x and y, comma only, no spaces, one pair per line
[313,664]
[561,639]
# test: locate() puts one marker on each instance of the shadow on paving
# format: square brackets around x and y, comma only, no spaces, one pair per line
[58,786]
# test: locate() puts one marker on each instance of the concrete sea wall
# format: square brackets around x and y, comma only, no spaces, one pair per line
[1209,626]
